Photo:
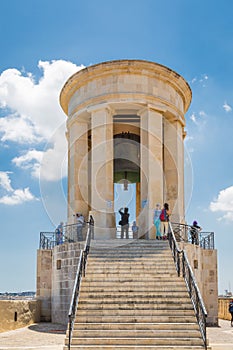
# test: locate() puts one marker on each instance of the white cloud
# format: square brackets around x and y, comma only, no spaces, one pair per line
[35,115]
[202,114]
[13,197]
[50,164]
[224,204]
[193,118]
[227,107]
[18,197]
[5,181]
[199,118]
[18,129]
[201,79]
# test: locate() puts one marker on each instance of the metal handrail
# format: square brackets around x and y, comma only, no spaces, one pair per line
[48,240]
[182,233]
[81,270]
[193,290]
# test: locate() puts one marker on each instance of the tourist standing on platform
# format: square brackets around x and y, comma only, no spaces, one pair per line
[164,218]
[135,230]
[124,222]
[194,231]
[80,224]
[231,311]
[156,220]
[59,233]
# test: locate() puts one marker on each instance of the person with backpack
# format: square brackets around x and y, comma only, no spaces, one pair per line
[164,219]
[231,311]
[124,222]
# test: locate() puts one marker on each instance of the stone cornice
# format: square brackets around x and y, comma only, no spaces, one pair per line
[125,67]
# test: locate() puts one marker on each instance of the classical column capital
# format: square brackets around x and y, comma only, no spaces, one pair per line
[155,108]
[99,107]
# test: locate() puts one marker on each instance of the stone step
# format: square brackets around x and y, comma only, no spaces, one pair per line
[119,333]
[127,258]
[134,306]
[124,285]
[132,288]
[114,312]
[134,295]
[131,250]
[134,301]
[128,242]
[131,265]
[149,275]
[157,251]
[137,341]
[136,318]
[119,245]
[130,270]
[131,279]
[130,347]
[153,270]
[137,326]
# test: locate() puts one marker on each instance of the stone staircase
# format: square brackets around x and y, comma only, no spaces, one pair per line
[131,298]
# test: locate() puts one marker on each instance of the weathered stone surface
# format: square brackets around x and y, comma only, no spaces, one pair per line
[18,313]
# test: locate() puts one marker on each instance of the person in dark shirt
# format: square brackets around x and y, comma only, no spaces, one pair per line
[124,222]
[195,232]
[231,311]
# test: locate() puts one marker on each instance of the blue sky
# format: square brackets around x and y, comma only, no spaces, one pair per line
[42,44]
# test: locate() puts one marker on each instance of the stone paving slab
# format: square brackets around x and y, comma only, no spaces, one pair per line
[40,336]
[48,336]
[221,338]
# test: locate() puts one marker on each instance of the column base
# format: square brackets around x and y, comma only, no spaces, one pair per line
[104,225]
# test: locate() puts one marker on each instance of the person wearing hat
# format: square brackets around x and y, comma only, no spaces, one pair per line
[194,232]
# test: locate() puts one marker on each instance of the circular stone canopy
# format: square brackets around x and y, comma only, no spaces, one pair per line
[136,79]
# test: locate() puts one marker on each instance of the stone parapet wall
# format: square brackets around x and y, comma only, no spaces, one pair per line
[18,313]
[223,304]
[64,266]
[204,266]
[44,283]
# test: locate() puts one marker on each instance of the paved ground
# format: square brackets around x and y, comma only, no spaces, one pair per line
[47,336]
[40,336]
[221,338]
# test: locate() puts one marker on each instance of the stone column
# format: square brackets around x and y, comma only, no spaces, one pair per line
[151,167]
[77,169]
[174,168]
[102,184]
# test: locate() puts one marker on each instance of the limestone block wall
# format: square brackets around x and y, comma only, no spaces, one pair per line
[204,266]
[223,304]
[44,282]
[18,313]
[65,260]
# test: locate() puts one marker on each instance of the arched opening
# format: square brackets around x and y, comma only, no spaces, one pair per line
[127,174]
